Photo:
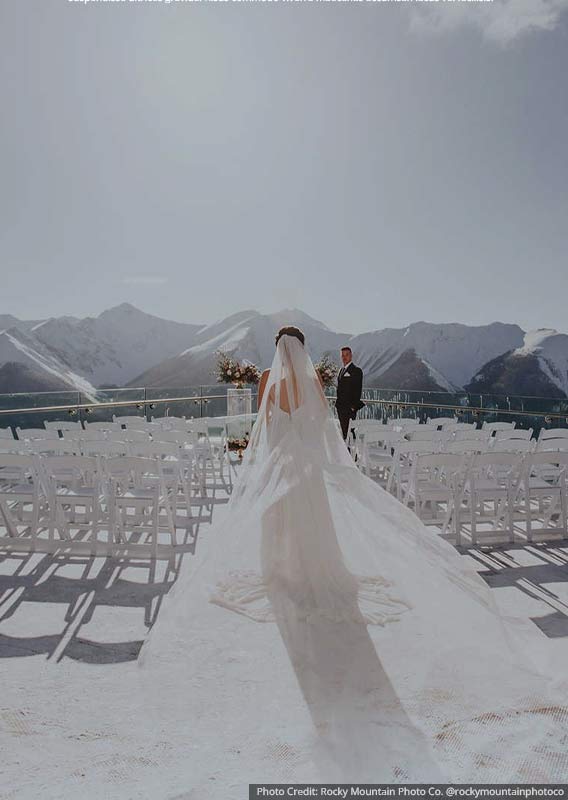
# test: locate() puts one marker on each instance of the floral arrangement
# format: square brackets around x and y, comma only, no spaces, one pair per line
[238,444]
[327,371]
[229,370]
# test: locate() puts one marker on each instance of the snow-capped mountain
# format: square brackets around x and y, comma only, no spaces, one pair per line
[7,321]
[86,353]
[124,346]
[422,356]
[29,378]
[451,353]
[539,367]
[30,361]
[115,346]
[551,350]
[409,372]
[247,334]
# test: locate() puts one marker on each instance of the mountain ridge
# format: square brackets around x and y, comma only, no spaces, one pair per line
[125,346]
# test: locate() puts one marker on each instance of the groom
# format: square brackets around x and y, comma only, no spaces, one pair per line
[349,388]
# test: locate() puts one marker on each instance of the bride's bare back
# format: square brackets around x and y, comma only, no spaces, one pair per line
[284,398]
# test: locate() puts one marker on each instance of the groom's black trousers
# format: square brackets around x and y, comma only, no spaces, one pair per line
[345,417]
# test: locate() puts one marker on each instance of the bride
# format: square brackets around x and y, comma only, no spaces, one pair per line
[322,633]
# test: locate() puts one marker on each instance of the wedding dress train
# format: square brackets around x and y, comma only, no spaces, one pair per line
[322,633]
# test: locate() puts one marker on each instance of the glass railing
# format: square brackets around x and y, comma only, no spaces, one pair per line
[33,409]
[525,411]
[30,410]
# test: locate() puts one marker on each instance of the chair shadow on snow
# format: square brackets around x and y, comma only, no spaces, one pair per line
[83,585]
[506,566]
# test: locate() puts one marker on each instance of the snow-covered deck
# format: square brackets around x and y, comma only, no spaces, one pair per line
[72,717]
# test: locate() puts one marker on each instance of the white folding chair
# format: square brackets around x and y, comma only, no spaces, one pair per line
[404,454]
[513,445]
[489,490]
[63,424]
[135,425]
[85,436]
[15,446]
[194,476]
[440,422]
[179,423]
[549,470]
[129,435]
[6,433]
[175,473]
[428,433]
[73,483]
[20,488]
[137,485]
[127,419]
[497,426]
[211,460]
[435,488]
[144,425]
[361,425]
[403,423]
[464,447]
[471,434]
[27,434]
[103,449]
[552,445]
[514,433]
[175,436]
[552,433]
[375,449]
[55,447]
[102,426]
[217,432]
[543,493]
[168,421]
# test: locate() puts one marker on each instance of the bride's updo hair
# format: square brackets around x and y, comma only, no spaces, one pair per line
[290,330]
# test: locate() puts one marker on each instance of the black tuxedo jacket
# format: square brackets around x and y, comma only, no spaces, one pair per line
[349,388]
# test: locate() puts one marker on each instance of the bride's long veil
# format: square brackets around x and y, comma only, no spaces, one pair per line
[299,570]
[394,642]
[294,407]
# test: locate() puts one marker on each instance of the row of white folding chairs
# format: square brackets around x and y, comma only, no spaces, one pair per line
[52,428]
[453,423]
[56,487]
[443,423]
[112,442]
[428,433]
[376,446]
[212,451]
[388,455]
[495,488]
[405,423]
[210,463]
[207,433]
[437,484]
[30,442]
[209,459]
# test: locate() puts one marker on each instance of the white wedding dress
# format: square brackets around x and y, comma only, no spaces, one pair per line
[322,633]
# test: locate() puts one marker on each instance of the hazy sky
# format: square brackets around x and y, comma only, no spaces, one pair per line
[372,163]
